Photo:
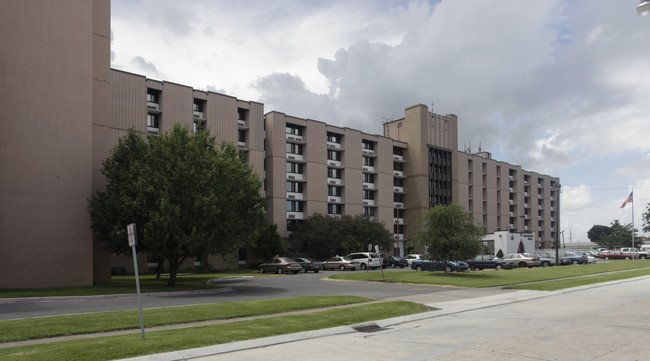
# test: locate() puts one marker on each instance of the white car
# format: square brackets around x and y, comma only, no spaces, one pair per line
[412,257]
[366,260]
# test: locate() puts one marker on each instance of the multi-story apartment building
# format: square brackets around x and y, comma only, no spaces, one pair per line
[54,135]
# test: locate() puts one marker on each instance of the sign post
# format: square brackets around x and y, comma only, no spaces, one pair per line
[130,230]
[381,266]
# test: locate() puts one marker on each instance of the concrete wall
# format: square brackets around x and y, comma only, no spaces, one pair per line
[53,81]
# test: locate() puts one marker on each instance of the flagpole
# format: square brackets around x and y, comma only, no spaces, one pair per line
[632,217]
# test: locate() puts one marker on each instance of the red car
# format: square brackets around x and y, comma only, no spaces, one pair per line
[616,255]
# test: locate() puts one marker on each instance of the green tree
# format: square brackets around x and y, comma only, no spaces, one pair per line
[646,219]
[614,236]
[449,233]
[187,196]
[269,243]
[323,236]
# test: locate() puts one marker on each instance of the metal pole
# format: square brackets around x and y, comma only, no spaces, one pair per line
[632,193]
[137,286]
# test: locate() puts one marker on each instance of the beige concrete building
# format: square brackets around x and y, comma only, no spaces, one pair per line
[62,109]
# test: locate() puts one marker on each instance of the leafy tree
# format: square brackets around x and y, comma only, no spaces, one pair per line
[269,243]
[187,196]
[614,236]
[449,233]
[646,219]
[323,236]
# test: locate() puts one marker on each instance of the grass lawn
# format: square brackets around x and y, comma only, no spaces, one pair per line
[126,284]
[490,278]
[580,281]
[116,347]
[43,327]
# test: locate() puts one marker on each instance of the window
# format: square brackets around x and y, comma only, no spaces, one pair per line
[398,197]
[294,167]
[367,161]
[398,151]
[368,145]
[293,129]
[199,105]
[241,136]
[294,206]
[333,137]
[368,211]
[334,191]
[398,166]
[242,114]
[153,96]
[333,155]
[293,148]
[334,173]
[198,125]
[334,208]
[153,120]
[295,187]
[369,195]
[368,178]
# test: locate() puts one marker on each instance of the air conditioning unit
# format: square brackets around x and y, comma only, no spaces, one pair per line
[331,163]
[291,196]
[292,177]
[292,216]
[398,206]
[332,182]
[292,157]
[365,203]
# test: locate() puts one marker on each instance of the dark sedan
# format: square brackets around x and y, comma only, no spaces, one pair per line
[395,261]
[309,264]
[426,265]
[489,261]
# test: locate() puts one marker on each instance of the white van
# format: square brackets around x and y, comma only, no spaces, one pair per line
[645,248]
[366,260]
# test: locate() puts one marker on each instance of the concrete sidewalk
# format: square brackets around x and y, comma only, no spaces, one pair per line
[604,321]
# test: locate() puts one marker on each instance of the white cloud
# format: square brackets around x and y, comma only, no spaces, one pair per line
[556,87]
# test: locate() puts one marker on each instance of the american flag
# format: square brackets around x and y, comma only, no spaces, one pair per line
[628,199]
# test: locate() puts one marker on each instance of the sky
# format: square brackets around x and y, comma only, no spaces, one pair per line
[559,87]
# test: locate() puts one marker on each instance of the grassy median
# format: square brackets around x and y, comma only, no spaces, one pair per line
[116,347]
[491,278]
[43,327]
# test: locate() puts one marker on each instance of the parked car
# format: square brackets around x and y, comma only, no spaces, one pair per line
[489,261]
[523,260]
[309,264]
[395,261]
[637,254]
[280,265]
[618,255]
[340,263]
[412,257]
[547,259]
[427,265]
[366,260]
[385,260]
[574,257]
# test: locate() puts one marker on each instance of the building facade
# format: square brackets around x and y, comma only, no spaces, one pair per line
[63,109]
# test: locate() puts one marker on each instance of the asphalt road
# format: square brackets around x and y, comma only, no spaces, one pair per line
[234,289]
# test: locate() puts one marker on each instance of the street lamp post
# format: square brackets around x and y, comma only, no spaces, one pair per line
[557,231]
[644,8]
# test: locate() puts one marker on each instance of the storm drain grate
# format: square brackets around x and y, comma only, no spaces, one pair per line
[370,327]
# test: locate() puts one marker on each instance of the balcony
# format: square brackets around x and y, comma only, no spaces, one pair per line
[334,200]
[367,185]
[294,195]
[295,176]
[199,115]
[153,130]
[368,202]
[367,168]
[334,163]
[241,144]
[334,145]
[398,189]
[154,106]
[398,220]
[368,151]
[398,237]
[398,173]
[398,157]
[294,156]
[336,181]
[294,137]
[295,215]
[398,205]
[241,123]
